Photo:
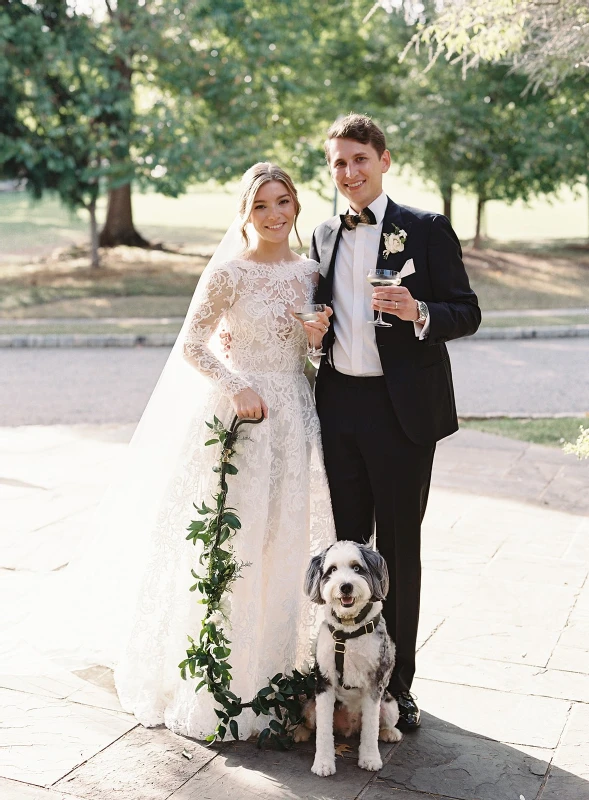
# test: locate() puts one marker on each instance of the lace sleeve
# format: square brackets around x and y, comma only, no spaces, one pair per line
[215,293]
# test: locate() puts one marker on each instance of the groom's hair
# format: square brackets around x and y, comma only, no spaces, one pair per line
[361,129]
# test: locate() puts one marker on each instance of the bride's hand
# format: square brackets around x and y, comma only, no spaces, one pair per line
[249,405]
[316,330]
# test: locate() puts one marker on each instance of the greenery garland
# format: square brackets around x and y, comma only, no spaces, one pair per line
[206,659]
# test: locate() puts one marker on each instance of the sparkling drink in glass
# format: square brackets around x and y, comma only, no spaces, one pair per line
[382,277]
[310,313]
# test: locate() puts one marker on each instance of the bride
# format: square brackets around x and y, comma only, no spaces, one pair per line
[136,579]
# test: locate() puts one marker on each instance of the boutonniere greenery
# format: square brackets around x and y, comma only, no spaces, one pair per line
[394,242]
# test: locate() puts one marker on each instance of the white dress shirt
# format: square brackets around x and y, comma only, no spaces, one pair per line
[354,350]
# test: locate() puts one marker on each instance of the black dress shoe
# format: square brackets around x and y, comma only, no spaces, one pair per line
[409,715]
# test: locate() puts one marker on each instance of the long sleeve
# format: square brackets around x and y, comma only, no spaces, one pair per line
[454,309]
[215,294]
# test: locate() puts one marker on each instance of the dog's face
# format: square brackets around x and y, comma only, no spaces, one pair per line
[347,576]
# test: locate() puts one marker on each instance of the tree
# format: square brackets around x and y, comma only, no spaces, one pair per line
[56,119]
[480,134]
[160,94]
[570,107]
[545,40]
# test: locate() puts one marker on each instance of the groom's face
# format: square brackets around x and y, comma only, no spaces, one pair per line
[357,170]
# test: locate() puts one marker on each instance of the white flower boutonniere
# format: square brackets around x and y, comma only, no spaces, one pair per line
[394,242]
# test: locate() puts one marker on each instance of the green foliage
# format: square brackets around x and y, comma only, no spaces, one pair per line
[546,41]
[206,660]
[580,447]
[61,111]
[165,93]
[480,132]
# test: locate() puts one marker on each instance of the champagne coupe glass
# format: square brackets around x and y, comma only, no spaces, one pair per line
[310,313]
[382,277]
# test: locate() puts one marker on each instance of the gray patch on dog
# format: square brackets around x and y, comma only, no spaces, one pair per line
[312,585]
[377,572]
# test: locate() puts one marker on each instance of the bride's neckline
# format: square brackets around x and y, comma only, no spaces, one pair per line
[280,262]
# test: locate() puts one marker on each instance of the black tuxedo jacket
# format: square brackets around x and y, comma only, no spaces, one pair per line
[417,373]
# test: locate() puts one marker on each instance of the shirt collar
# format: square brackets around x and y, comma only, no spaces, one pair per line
[378,208]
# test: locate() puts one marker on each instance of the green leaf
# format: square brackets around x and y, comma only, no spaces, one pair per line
[231,520]
[211,441]
[263,736]
[231,469]
[221,731]
[234,729]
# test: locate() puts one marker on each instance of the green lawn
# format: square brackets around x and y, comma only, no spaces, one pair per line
[553,319]
[539,270]
[546,431]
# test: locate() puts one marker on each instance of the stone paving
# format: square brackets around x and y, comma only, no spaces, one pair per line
[503,663]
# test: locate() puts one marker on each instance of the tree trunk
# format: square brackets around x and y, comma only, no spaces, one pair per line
[95,259]
[119,227]
[447,198]
[478,237]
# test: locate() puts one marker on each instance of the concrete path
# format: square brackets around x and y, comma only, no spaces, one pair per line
[60,386]
[503,664]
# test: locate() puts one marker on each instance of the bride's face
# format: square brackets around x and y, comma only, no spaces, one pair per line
[273,212]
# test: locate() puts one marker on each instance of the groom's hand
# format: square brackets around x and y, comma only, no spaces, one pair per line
[395,300]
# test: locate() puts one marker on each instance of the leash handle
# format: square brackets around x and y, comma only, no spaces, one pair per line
[237,422]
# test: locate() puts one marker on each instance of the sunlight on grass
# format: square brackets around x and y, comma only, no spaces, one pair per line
[546,431]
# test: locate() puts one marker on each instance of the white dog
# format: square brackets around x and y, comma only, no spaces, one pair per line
[354,656]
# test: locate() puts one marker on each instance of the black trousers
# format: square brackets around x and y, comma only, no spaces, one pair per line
[377,475]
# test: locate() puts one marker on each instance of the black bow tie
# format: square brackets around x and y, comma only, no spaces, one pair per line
[351,221]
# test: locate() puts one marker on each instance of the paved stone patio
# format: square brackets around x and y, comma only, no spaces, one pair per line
[503,664]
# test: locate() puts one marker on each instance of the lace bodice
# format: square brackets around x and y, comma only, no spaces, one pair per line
[256,301]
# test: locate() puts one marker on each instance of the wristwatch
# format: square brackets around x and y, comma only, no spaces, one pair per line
[423,312]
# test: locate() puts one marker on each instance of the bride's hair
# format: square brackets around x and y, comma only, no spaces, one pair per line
[255,177]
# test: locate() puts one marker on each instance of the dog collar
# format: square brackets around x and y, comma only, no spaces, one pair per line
[339,643]
[356,620]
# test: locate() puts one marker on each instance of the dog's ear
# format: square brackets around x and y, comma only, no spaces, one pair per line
[312,586]
[378,572]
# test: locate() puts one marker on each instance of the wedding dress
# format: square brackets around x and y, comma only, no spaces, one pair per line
[280,494]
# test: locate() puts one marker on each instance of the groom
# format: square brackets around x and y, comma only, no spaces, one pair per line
[384,395]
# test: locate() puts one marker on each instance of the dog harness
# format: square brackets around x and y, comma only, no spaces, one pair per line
[341,637]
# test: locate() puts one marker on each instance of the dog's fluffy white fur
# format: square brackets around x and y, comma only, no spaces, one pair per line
[346,577]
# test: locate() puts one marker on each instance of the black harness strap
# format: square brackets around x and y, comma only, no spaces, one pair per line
[341,637]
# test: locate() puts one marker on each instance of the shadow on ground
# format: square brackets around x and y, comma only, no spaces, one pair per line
[440,760]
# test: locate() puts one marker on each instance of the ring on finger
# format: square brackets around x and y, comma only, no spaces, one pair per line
[396,305]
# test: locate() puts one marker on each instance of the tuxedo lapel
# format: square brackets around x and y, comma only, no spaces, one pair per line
[393,218]
[328,253]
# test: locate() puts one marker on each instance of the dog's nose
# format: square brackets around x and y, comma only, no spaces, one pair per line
[346,588]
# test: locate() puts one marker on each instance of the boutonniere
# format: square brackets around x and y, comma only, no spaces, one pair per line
[394,242]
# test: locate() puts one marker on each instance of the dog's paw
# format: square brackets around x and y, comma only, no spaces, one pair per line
[302,733]
[372,761]
[389,735]
[323,766]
